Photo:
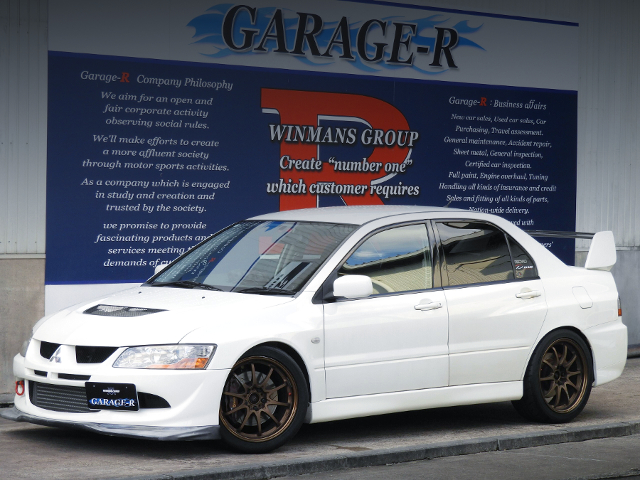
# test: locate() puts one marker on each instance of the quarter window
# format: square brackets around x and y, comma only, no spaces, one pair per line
[523,264]
[475,252]
[396,260]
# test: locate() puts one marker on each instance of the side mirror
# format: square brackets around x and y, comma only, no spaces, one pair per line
[159,268]
[353,286]
[602,252]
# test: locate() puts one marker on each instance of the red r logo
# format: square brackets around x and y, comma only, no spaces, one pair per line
[307,108]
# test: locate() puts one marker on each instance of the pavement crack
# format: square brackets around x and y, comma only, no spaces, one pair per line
[353,449]
[556,456]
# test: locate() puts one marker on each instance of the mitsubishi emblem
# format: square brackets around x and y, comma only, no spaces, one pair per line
[56,358]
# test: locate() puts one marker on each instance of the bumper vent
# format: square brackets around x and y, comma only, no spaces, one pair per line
[119,311]
[149,400]
[93,354]
[48,349]
[71,376]
[59,398]
[62,398]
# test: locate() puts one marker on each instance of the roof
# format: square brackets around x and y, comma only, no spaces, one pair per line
[356,215]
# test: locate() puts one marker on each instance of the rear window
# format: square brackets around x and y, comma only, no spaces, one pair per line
[475,252]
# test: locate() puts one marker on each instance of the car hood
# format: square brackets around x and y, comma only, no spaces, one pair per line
[183,310]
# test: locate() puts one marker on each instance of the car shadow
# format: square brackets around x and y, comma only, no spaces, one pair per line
[354,434]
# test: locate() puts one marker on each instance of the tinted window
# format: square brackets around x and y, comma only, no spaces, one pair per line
[524,266]
[474,252]
[396,260]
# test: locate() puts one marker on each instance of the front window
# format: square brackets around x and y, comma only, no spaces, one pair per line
[257,257]
[396,260]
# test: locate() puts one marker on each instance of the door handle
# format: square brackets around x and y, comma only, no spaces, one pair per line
[528,294]
[428,306]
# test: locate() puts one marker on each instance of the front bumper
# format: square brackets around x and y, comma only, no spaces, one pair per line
[133,431]
[193,397]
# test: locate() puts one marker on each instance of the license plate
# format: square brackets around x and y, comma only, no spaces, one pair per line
[112,396]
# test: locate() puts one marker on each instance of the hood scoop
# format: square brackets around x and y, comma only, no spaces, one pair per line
[120,311]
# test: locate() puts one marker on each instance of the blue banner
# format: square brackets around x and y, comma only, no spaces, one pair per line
[147,158]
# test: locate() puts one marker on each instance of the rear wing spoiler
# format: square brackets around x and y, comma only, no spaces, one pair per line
[602,251]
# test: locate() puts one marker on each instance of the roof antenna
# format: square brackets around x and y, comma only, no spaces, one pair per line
[447,205]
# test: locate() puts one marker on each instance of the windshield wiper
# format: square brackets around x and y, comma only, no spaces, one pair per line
[266,291]
[186,284]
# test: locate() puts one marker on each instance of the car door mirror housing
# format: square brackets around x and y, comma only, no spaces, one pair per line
[353,286]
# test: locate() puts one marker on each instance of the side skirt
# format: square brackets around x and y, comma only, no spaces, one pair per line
[366,405]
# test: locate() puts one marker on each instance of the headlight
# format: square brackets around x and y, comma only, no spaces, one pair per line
[175,357]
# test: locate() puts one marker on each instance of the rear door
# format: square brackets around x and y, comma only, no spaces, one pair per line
[495,299]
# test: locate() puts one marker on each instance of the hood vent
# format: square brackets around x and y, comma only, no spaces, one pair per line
[118,311]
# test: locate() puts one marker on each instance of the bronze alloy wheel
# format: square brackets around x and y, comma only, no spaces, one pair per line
[260,399]
[558,378]
[563,375]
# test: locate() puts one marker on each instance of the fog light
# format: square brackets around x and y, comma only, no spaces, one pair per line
[19,387]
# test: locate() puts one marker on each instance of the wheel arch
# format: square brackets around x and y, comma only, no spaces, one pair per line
[535,405]
[578,332]
[280,427]
[293,353]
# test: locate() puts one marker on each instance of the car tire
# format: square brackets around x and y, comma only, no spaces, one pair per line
[558,379]
[264,401]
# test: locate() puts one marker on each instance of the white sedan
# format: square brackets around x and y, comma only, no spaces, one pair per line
[326,314]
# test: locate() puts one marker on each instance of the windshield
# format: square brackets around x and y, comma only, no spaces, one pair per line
[257,257]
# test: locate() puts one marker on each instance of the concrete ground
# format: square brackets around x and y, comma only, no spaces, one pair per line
[30,451]
[607,458]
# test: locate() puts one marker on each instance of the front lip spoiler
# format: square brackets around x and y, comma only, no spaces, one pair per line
[211,432]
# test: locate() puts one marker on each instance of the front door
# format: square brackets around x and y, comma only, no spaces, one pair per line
[396,339]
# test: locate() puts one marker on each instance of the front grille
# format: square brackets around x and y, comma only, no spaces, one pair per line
[59,398]
[41,373]
[62,398]
[93,354]
[48,349]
